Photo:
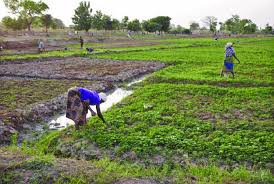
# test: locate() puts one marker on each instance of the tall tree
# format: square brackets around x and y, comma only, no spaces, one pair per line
[211,23]
[247,26]
[124,22]
[164,21]
[82,17]
[26,9]
[57,24]
[233,24]
[47,21]
[115,24]
[134,25]
[268,29]
[151,26]
[14,23]
[236,25]
[97,21]
[107,23]
[222,26]
[13,5]
[194,26]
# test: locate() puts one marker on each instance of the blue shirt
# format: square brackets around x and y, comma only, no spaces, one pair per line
[92,96]
[229,52]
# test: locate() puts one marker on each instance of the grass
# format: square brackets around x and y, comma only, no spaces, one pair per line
[46,168]
[219,124]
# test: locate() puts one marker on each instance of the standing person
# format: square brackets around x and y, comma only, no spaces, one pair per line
[129,34]
[79,102]
[81,42]
[41,46]
[229,57]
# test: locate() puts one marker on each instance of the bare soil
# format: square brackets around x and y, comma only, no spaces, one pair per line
[76,68]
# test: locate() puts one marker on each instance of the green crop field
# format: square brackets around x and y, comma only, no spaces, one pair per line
[184,121]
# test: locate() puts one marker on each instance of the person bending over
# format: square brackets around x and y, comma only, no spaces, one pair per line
[79,102]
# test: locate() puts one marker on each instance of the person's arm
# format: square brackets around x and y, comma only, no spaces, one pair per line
[236,58]
[92,112]
[87,104]
[99,113]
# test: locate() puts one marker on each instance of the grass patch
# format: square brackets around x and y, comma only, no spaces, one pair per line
[220,124]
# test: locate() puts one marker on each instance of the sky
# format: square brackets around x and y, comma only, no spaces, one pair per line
[182,12]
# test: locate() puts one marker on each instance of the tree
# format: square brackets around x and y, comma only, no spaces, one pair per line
[124,22]
[82,17]
[268,29]
[194,26]
[233,24]
[150,26]
[57,24]
[26,9]
[115,24]
[247,26]
[46,21]
[8,22]
[163,21]
[236,25]
[134,25]
[13,23]
[211,23]
[107,23]
[97,21]
[222,26]
[13,5]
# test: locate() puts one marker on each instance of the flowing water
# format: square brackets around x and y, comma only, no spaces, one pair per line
[60,122]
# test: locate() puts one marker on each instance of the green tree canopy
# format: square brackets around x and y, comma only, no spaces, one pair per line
[82,17]
[134,25]
[97,21]
[27,10]
[194,26]
[124,22]
[236,25]
[150,26]
[268,29]
[57,24]
[163,21]
[47,21]
[14,23]
[115,24]
[107,23]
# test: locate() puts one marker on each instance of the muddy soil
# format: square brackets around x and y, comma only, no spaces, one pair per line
[76,68]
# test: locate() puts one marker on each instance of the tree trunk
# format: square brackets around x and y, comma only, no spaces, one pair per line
[29,27]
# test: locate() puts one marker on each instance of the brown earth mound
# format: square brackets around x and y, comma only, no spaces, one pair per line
[76,68]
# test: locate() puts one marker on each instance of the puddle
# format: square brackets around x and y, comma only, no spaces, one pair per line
[60,122]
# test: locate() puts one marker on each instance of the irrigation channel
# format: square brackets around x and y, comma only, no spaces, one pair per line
[60,122]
